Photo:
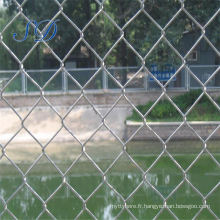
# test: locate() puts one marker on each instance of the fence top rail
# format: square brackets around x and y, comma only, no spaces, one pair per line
[70,69]
[208,66]
[83,69]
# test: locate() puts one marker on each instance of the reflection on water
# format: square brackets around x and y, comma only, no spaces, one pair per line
[26,203]
[106,203]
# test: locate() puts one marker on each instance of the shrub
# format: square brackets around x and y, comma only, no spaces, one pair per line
[144,108]
[186,100]
[165,110]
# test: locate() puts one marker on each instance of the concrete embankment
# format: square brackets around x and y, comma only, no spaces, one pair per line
[164,130]
[85,119]
[85,122]
[81,122]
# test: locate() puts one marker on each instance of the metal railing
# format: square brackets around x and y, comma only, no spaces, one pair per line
[143,81]
[204,73]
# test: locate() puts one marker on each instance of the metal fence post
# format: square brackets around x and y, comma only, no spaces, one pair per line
[64,82]
[104,80]
[146,81]
[23,83]
[187,80]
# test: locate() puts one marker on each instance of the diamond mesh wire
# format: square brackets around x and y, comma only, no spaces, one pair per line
[83,94]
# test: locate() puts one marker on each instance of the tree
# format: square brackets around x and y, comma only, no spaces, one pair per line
[19,49]
[141,33]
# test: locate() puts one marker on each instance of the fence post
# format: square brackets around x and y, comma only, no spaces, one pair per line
[64,82]
[104,80]
[146,81]
[187,80]
[23,82]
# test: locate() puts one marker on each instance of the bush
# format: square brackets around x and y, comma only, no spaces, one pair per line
[186,100]
[144,108]
[164,110]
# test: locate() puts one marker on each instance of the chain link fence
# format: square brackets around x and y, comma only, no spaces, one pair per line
[105,76]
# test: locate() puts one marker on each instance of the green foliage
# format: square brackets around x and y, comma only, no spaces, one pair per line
[186,100]
[14,86]
[102,33]
[8,62]
[144,108]
[165,111]
[98,84]
[218,101]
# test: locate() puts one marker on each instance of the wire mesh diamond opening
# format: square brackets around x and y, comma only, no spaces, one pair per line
[151,197]
[65,211]
[24,207]
[92,177]
[118,180]
[99,198]
[32,148]
[158,11]
[212,168]
[185,188]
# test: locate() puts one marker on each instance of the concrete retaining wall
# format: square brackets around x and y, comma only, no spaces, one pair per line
[165,129]
[43,123]
[83,120]
[99,97]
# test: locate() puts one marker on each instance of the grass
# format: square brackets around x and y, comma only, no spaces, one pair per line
[164,110]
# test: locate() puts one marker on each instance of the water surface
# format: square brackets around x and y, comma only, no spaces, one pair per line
[83,180]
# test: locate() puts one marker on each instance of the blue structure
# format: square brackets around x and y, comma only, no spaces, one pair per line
[162,75]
